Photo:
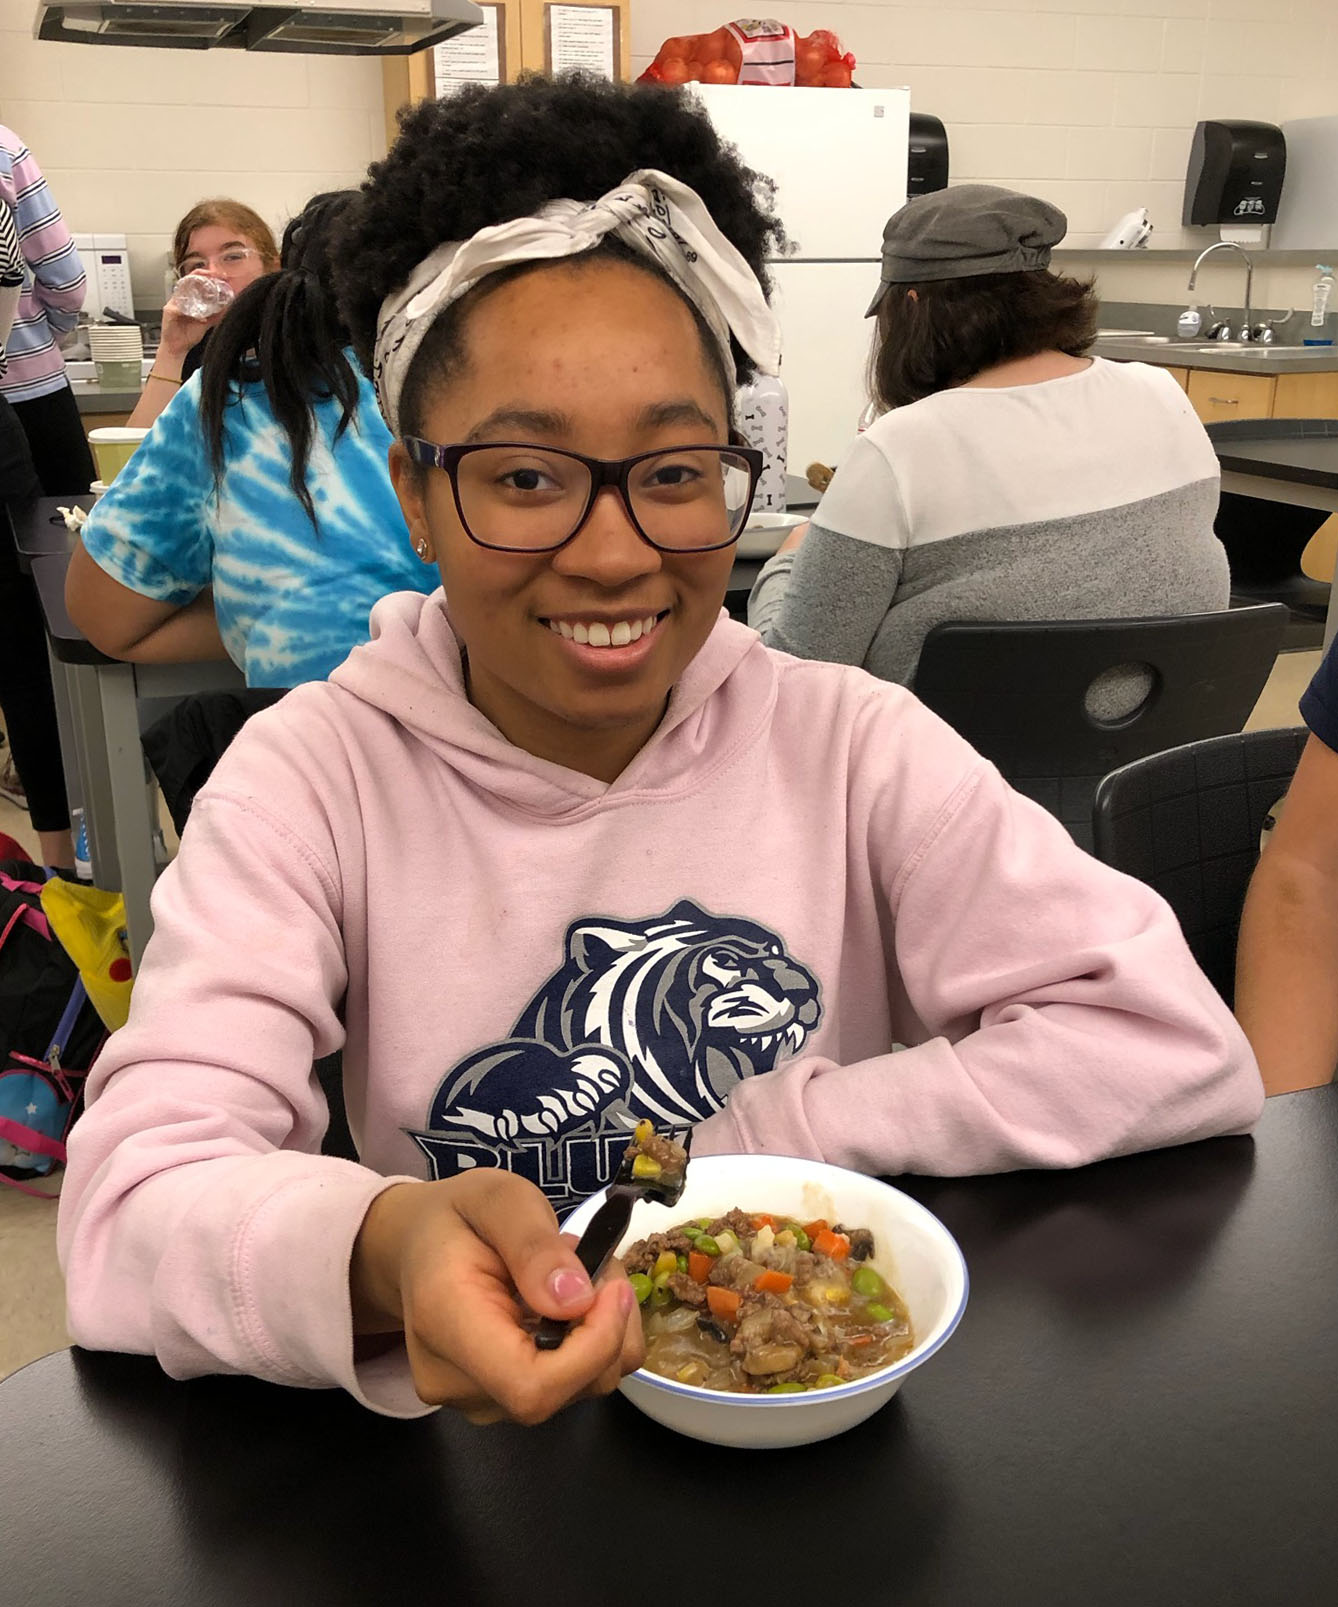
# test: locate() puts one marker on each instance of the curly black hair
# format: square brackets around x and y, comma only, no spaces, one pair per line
[485,156]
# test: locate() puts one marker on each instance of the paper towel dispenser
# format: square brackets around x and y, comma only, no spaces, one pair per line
[1235,173]
[927,164]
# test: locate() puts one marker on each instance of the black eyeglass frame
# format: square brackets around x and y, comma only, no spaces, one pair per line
[603,472]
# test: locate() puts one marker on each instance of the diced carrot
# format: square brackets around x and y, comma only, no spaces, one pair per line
[772,1283]
[834,1245]
[814,1228]
[763,1219]
[723,1302]
[699,1265]
[858,1341]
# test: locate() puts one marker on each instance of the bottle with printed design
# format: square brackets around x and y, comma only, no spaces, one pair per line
[764,420]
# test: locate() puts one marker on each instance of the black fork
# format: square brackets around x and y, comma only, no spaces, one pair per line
[607,1227]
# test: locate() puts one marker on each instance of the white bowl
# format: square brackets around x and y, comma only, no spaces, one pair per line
[764,532]
[913,1251]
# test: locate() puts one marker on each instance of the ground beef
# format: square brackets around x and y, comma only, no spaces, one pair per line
[735,1272]
[737,1222]
[641,1257]
[688,1290]
[766,1320]
[805,1265]
[672,1157]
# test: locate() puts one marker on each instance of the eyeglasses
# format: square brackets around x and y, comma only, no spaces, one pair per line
[514,496]
[231,259]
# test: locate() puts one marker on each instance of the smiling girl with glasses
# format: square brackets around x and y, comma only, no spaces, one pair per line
[564,848]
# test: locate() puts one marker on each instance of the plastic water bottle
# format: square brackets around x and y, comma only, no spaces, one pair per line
[200,296]
[83,864]
[764,422]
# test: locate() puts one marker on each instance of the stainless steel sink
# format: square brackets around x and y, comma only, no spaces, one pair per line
[1232,348]
[1241,348]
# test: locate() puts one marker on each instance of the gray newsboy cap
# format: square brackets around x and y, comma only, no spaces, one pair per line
[968,230]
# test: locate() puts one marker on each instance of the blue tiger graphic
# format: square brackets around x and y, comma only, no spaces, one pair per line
[658,1018]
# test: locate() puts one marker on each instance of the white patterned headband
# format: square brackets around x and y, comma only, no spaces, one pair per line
[658,217]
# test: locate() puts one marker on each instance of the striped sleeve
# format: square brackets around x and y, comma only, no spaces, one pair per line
[58,274]
[11,276]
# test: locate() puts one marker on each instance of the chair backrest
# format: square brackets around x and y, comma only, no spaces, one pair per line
[1188,823]
[1018,692]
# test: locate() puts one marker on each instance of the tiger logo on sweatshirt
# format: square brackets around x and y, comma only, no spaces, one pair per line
[659,1018]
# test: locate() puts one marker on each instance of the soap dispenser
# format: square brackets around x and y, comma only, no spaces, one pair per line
[1190,322]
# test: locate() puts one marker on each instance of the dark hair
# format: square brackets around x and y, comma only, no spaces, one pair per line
[285,332]
[954,329]
[484,156]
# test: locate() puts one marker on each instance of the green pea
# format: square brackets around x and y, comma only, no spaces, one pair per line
[641,1287]
[828,1381]
[876,1313]
[707,1245]
[704,1222]
[794,1387]
[682,1262]
[801,1239]
[865,1281]
[661,1295]
[692,1231]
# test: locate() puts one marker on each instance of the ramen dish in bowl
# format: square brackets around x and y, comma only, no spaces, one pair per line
[783,1300]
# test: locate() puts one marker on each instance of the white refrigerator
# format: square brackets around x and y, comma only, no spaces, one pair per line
[838,157]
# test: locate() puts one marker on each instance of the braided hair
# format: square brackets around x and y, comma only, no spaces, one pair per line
[285,332]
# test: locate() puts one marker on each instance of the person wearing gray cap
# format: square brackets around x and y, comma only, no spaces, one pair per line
[1010,475]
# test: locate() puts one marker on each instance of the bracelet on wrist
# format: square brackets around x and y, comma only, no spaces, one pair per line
[166,378]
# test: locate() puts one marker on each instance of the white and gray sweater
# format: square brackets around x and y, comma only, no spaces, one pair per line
[1086,497]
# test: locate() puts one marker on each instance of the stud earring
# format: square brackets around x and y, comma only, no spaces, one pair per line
[420,547]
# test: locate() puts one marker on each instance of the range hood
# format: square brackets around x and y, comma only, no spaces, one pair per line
[307,27]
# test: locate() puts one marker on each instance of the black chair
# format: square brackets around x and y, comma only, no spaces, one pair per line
[1188,824]
[1017,692]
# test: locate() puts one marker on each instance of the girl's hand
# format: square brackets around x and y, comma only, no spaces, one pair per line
[444,1262]
[179,334]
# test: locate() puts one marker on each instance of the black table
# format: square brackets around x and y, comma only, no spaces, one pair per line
[1296,451]
[1290,460]
[1138,1410]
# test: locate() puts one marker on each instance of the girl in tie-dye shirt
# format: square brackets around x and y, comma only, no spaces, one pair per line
[257,519]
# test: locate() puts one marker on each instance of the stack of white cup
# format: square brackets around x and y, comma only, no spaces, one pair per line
[118,350]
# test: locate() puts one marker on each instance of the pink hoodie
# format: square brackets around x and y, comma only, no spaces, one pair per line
[802,870]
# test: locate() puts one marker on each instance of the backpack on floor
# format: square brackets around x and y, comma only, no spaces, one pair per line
[49,1032]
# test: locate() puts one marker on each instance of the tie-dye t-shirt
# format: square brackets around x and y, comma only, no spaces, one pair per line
[292,601]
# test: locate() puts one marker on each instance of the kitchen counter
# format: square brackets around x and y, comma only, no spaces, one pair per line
[91,398]
[1175,353]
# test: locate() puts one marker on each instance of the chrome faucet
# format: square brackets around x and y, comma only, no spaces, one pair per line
[1247,328]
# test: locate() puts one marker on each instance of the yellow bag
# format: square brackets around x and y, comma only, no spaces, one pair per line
[90,926]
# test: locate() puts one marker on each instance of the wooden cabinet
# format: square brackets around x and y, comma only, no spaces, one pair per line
[1225,396]
[1306,396]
